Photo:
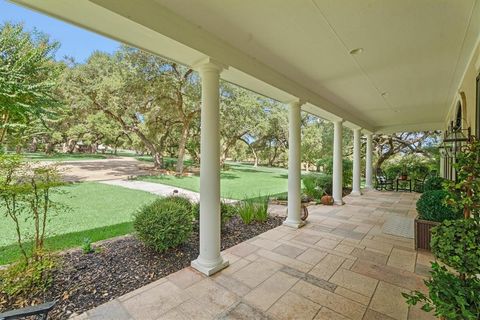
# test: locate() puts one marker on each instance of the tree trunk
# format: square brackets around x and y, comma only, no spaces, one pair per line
[181,147]
[157,160]
[48,148]
[5,118]
[34,145]
[255,157]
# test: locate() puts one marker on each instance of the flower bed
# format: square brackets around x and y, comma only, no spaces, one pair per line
[121,265]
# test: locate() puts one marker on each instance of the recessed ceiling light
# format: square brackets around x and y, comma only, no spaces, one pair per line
[356,51]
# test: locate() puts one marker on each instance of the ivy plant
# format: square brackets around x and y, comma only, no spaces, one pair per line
[457,244]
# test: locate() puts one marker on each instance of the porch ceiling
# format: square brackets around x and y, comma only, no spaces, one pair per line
[415,52]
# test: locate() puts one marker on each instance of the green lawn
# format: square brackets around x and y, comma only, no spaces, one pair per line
[240,182]
[96,211]
[40,156]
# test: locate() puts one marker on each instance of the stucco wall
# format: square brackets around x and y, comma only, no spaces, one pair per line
[468,87]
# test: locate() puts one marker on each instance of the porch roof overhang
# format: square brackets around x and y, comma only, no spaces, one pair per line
[413,60]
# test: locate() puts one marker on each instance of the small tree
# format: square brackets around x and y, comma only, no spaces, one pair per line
[467,185]
[25,194]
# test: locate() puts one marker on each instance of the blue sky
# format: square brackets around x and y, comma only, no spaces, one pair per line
[75,42]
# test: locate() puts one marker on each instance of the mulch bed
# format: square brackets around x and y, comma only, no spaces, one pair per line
[124,264]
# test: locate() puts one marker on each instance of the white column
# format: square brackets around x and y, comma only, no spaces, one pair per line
[294,166]
[368,163]
[209,260]
[442,166]
[337,163]
[356,163]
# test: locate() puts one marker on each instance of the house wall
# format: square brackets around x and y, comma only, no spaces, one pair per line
[467,95]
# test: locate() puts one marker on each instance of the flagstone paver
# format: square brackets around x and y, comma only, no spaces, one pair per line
[341,265]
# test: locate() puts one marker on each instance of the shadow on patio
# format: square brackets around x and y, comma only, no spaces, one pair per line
[344,264]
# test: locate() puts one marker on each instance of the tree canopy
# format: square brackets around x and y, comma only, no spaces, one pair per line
[138,101]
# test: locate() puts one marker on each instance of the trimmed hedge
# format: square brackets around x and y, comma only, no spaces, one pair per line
[431,206]
[434,183]
[164,224]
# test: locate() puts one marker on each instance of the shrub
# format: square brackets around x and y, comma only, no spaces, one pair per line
[87,246]
[163,224]
[457,244]
[451,297]
[227,212]
[23,278]
[434,183]
[327,165]
[315,184]
[432,206]
[181,200]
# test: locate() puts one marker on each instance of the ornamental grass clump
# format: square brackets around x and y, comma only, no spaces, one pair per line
[251,210]
[163,224]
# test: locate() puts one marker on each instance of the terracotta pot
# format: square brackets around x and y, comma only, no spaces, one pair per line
[327,200]
[423,233]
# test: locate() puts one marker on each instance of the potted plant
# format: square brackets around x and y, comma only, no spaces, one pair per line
[326,199]
[432,210]
[454,291]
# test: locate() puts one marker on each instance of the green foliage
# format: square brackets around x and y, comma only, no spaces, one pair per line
[26,194]
[87,246]
[449,296]
[432,206]
[28,77]
[434,183]
[163,224]
[317,184]
[30,278]
[457,244]
[467,185]
[247,211]
[227,211]
[251,210]
[327,165]
[415,166]
[180,200]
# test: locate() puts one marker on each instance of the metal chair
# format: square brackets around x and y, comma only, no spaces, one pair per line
[382,182]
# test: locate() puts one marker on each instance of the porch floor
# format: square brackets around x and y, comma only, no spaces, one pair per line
[341,265]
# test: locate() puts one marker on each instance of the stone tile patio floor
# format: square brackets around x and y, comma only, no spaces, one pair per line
[339,266]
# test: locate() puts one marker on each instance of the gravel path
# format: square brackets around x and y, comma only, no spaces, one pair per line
[156,188]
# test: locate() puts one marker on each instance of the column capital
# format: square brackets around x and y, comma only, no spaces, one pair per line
[367,133]
[295,103]
[337,120]
[209,64]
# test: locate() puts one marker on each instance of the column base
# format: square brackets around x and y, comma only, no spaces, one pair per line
[368,188]
[355,193]
[294,224]
[209,270]
[338,202]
